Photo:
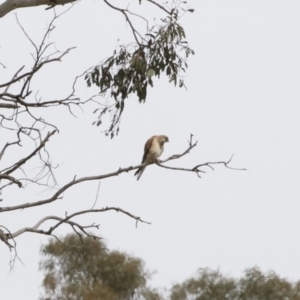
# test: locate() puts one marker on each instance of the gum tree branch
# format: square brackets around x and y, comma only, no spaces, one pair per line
[81,229]
[34,70]
[4,237]
[160,6]
[22,161]
[123,11]
[60,191]
[197,170]
[10,5]
[10,178]
[9,144]
[66,220]
[13,106]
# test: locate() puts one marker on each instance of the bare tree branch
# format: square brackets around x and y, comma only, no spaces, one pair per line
[10,178]
[10,144]
[13,106]
[66,220]
[33,72]
[196,168]
[4,237]
[160,6]
[123,11]
[10,5]
[18,164]
[113,174]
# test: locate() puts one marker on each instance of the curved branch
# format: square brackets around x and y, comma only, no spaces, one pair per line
[225,163]
[18,164]
[160,6]
[28,74]
[113,174]
[10,5]
[10,144]
[66,220]
[11,179]
[13,106]
[123,11]
[176,156]
[4,237]
[197,170]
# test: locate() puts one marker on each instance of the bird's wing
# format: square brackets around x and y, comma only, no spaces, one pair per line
[147,148]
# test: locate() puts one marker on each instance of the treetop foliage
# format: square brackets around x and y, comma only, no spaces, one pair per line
[85,269]
[254,285]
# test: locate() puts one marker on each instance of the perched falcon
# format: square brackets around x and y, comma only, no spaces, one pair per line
[154,147]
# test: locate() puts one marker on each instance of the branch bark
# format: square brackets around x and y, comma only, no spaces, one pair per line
[34,70]
[56,196]
[13,106]
[10,5]
[66,220]
[22,161]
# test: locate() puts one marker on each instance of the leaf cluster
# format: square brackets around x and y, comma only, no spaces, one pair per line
[131,68]
[254,285]
[86,269]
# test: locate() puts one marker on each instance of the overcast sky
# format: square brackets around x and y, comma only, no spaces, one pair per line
[242,98]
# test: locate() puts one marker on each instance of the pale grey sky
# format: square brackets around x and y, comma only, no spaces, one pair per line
[243,98]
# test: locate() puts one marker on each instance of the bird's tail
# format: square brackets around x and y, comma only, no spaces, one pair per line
[139,172]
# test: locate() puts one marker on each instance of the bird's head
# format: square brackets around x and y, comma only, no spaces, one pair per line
[163,139]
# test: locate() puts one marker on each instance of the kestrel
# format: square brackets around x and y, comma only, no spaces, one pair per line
[154,147]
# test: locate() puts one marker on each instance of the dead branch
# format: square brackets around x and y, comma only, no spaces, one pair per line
[124,12]
[4,237]
[160,6]
[10,5]
[22,161]
[35,70]
[13,106]
[60,191]
[66,220]
[10,178]
[196,169]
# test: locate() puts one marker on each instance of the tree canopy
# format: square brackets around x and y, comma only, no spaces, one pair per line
[85,268]
[253,285]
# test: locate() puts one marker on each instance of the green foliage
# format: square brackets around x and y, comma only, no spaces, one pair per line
[131,69]
[208,285]
[254,285]
[89,271]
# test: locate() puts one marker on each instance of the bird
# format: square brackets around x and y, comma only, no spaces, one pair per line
[153,149]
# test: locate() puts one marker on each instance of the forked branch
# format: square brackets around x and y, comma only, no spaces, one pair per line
[195,169]
[60,191]
[67,220]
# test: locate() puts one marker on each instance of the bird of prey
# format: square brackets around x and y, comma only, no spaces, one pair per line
[154,147]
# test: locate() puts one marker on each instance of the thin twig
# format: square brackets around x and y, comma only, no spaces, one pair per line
[66,220]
